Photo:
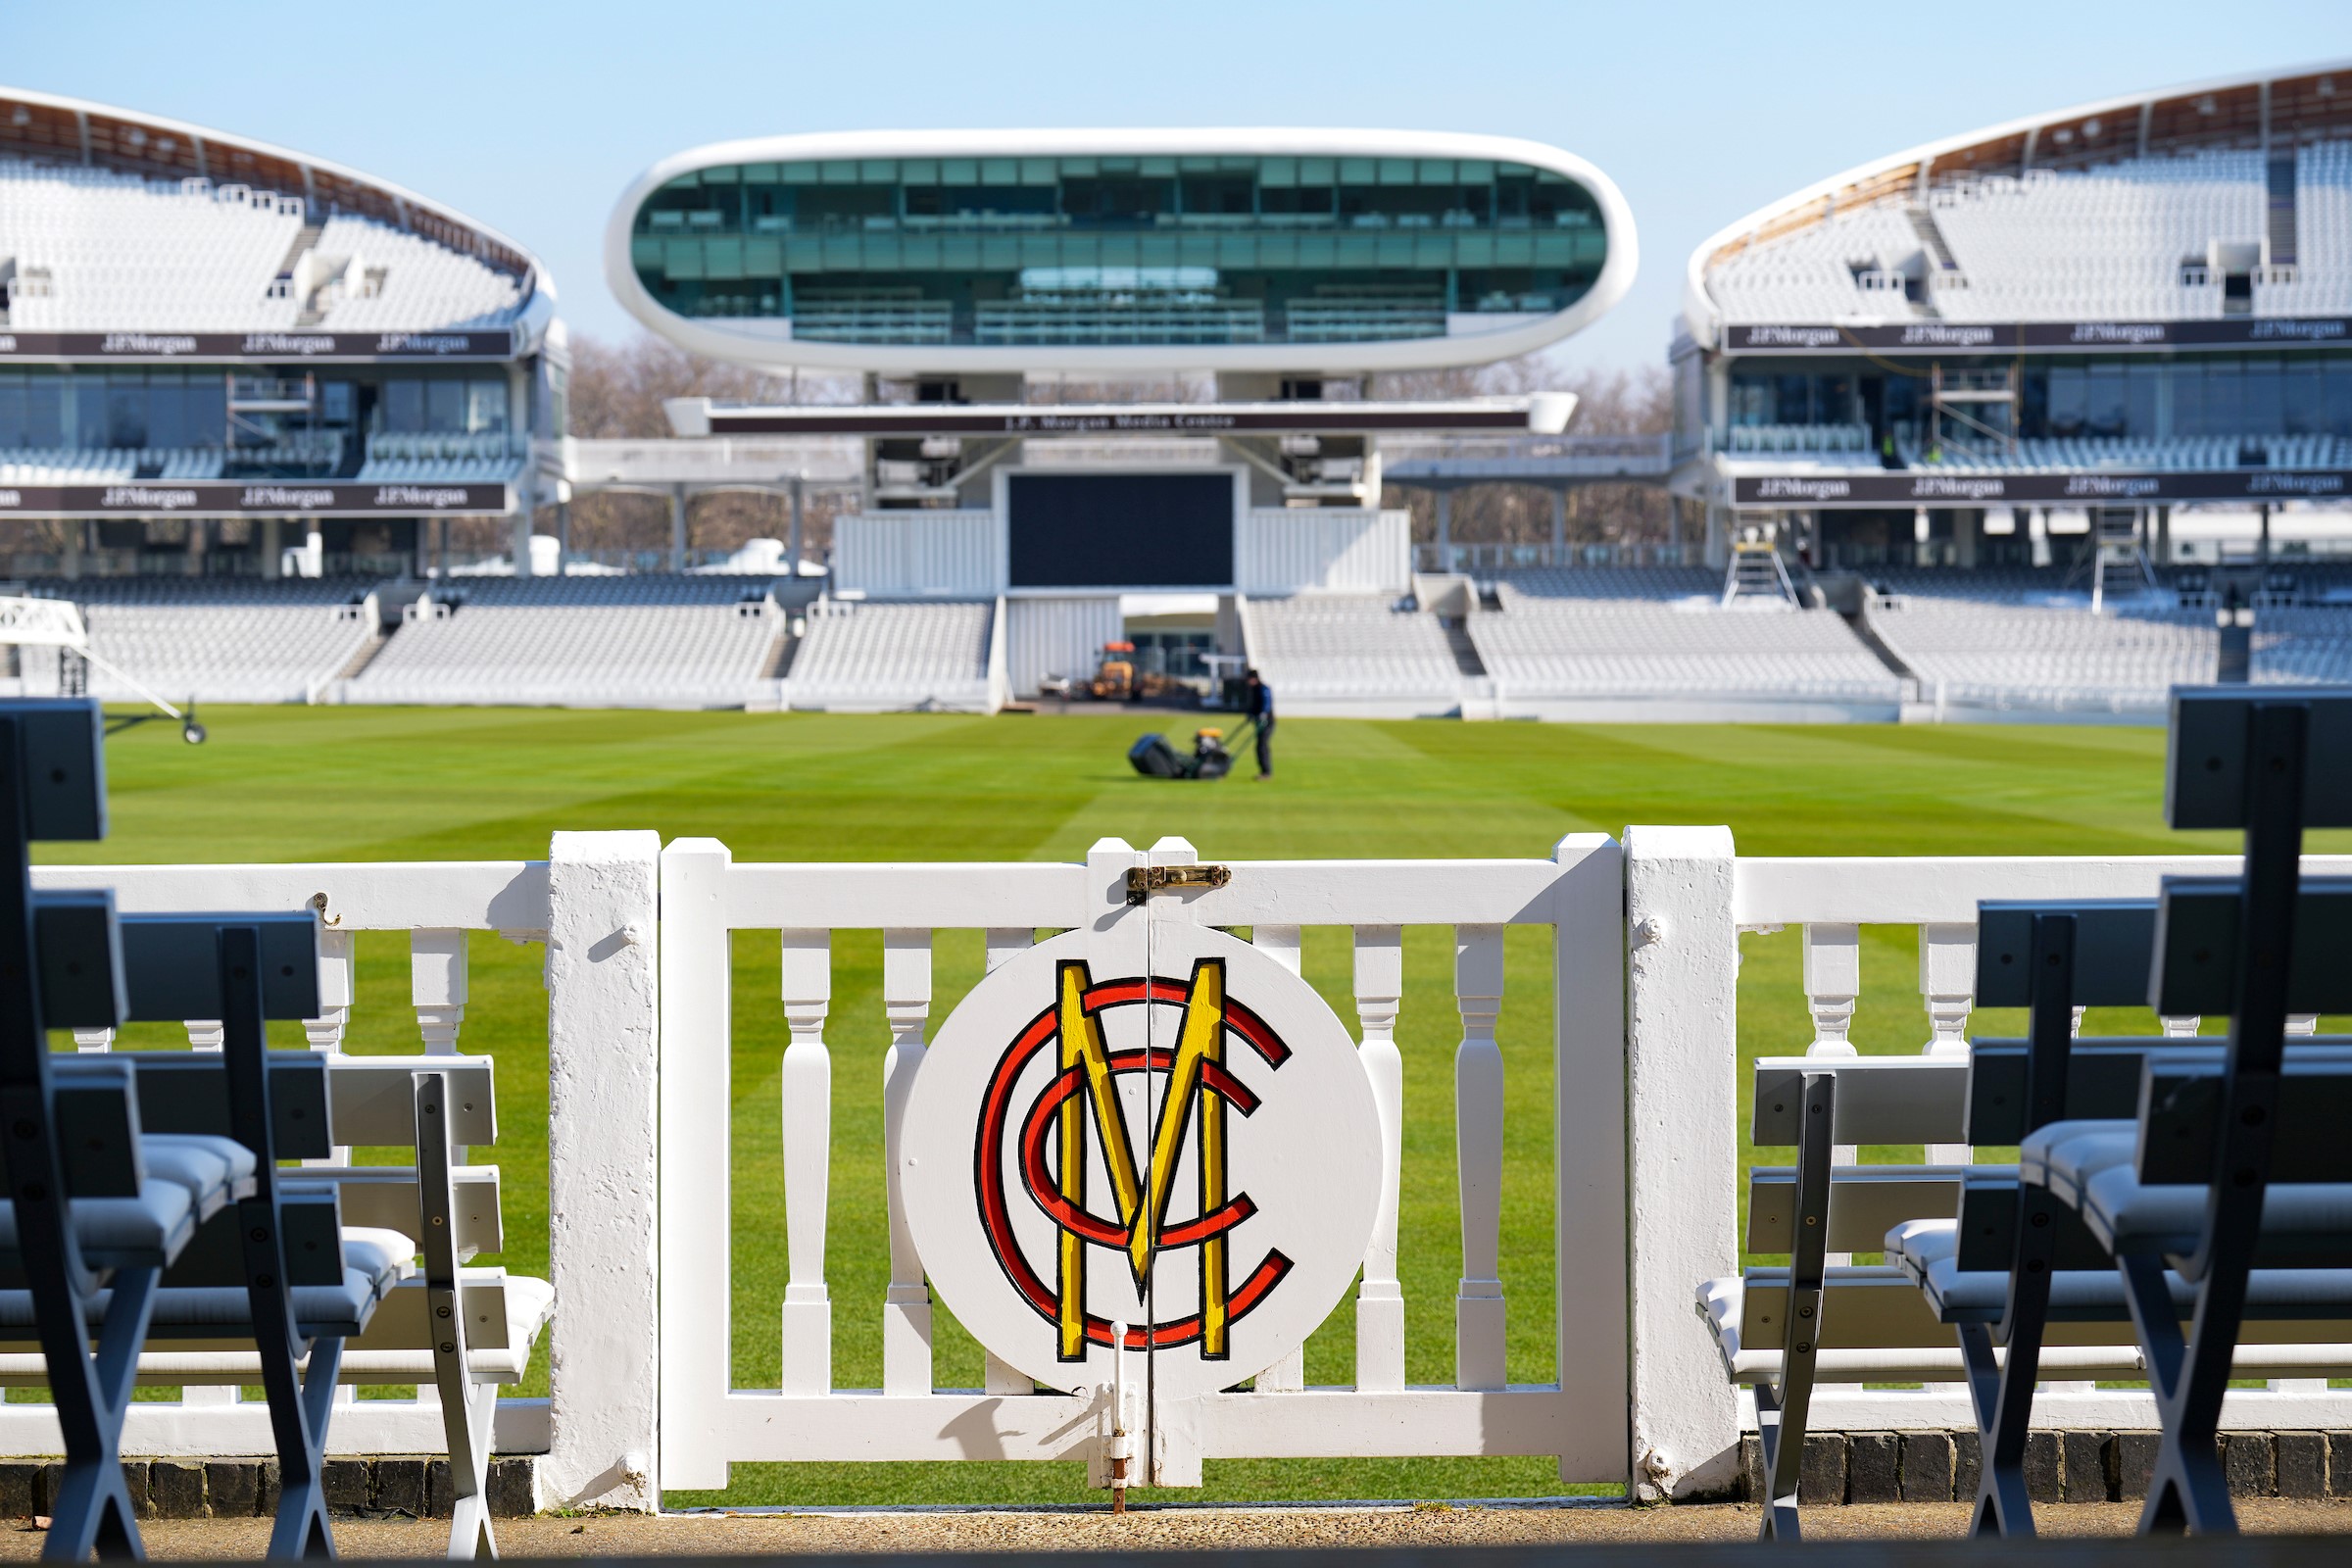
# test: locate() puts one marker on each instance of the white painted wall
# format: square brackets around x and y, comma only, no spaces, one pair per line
[1287,550]
[1056,637]
[916,555]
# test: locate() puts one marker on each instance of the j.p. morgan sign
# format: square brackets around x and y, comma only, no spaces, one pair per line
[495,344]
[152,498]
[1803,492]
[2037,337]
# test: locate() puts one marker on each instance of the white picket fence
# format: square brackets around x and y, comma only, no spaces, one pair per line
[1643,998]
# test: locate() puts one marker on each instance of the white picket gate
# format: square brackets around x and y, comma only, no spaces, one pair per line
[1644,1120]
[706,1422]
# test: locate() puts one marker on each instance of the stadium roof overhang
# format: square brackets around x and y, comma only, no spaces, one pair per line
[764,343]
[1543,413]
[2226,112]
[49,128]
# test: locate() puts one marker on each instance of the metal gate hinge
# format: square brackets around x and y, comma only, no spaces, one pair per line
[1144,880]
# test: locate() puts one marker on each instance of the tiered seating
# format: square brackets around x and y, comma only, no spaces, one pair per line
[1800,440]
[106,464]
[583,642]
[2180,454]
[2000,654]
[2322,281]
[1987,651]
[1527,587]
[2099,243]
[1816,274]
[874,654]
[486,457]
[422,284]
[218,640]
[1349,647]
[1631,648]
[1997,585]
[100,251]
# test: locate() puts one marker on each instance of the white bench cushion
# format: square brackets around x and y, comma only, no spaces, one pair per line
[2091,1166]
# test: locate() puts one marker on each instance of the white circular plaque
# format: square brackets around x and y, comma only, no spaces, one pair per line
[1195,1154]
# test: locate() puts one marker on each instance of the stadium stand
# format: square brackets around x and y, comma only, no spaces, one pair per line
[2107,243]
[219,640]
[1557,646]
[1524,586]
[107,465]
[96,250]
[102,250]
[406,278]
[875,656]
[653,641]
[2180,454]
[1340,647]
[1819,274]
[2034,656]
[486,457]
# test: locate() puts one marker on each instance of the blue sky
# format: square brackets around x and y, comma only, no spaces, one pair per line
[531,117]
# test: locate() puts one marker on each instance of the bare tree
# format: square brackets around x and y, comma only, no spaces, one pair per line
[618,391]
[1609,402]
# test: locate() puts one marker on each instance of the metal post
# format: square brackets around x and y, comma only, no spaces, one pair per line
[800,484]
[1444,530]
[677,528]
[1559,525]
[441,547]
[563,538]
[2262,551]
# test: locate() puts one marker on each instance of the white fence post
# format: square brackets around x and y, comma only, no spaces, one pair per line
[907,1310]
[603,1028]
[1281,943]
[807,1092]
[697,1223]
[1589,1216]
[1380,1302]
[1477,1107]
[1681,1056]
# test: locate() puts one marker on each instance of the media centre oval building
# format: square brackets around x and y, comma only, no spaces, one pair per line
[1323,252]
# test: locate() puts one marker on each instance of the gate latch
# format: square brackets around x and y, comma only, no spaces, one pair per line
[1144,880]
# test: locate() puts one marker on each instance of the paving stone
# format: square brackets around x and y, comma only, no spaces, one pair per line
[400,1487]
[512,1494]
[2043,1481]
[134,1481]
[44,1495]
[2301,1458]
[1751,1468]
[1821,1470]
[1927,1467]
[1967,1473]
[20,1490]
[1873,1467]
[347,1486]
[268,1489]
[2085,1458]
[2134,1463]
[2246,1461]
[176,1486]
[441,1492]
[2339,1464]
[233,1488]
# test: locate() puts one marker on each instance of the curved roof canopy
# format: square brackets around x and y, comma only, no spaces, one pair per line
[2267,109]
[1274,249]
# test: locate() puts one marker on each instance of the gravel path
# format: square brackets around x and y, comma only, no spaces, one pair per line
[1169,1530]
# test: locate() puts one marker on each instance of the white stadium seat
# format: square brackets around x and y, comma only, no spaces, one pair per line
[881,656]
[579,642]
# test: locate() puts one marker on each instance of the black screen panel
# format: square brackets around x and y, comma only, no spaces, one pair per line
[1121,530]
